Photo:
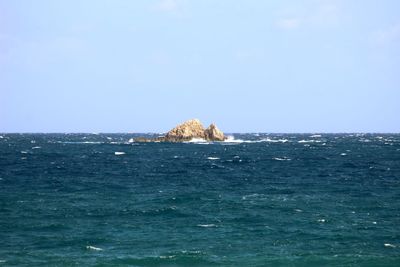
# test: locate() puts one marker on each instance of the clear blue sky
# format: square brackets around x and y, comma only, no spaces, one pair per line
[249,66]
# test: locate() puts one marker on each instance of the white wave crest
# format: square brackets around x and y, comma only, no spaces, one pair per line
[213,158]
[79,142]
[207,225]
[281,159]
[167,257]
[309,141]
[197,140]
[268,140]
[119,153]
[94,248]
[231,139]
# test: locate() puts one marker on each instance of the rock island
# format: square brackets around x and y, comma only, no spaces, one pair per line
[187,131]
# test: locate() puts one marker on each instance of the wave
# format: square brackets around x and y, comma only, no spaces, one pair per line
[309,141]
[207,225]
[274,140]
[94,248]
[197,141]
[213,158]
[282,159]
[117,153]
[232,139]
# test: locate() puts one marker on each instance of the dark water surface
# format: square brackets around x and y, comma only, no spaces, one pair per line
[258,200]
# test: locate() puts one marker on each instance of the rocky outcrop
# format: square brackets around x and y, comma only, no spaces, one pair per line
[213,133]
[187,131]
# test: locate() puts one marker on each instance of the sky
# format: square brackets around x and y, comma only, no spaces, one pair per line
[247,65]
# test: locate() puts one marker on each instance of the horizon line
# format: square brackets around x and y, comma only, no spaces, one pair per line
[226,133]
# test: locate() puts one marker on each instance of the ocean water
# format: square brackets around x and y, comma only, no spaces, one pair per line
[255,200]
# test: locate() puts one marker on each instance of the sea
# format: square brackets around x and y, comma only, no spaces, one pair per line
[253,200]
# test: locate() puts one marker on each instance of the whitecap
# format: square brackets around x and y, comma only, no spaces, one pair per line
[309,141]
[197,140]
[315,136]
[119,153]
[80,142]
[167,257]
[321,220]
[1,137]
[213,158]
[274,140]
[207,225]
[388,245]
[94,248]
[343,154]
[24,152]
[231,139]
[284,158]
[131,140]
[36,147]
[109,138]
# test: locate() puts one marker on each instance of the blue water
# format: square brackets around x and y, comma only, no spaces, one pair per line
[258,200]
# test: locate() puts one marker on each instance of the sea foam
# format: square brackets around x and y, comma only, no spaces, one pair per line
[207,225]
[197,140]
[94,248]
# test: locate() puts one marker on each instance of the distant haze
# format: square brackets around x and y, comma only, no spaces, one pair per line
[247,65]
